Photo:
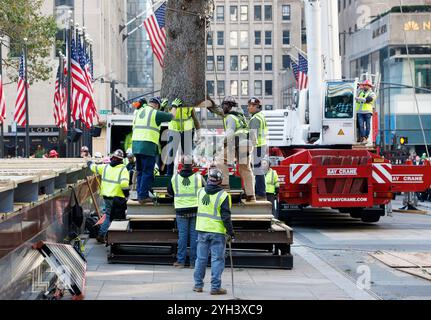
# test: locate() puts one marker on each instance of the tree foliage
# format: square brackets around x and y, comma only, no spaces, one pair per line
[21,19]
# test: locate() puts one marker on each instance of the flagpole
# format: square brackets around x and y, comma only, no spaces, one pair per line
[78,122]
[27,111]
[69,86]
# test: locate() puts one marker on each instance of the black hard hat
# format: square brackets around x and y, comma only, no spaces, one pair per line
[254,100]
[215,175]
[156,100]
[119,154]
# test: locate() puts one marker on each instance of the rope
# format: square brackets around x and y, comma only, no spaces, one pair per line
[413,80]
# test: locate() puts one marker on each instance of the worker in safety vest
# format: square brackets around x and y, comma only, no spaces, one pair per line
[184,187]
[258,138]
[236,146]
[213,223]
[364,109]
[146,142]
[181,130]
[272,185]
[114,189]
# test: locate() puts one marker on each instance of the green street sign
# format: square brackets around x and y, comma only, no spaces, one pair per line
[104,111]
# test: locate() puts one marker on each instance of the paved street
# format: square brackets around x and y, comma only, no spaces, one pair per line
[331,261]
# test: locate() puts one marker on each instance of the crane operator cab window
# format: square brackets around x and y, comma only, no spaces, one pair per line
[339,101]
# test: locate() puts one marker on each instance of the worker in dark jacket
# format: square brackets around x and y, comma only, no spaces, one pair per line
[184,187]
[213,223]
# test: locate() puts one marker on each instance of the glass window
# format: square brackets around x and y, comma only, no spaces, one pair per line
[268,63]
[285,61]
[220,38]
[286,37]
[220,13]
[233,39]
[69,3]
[243,41]
[423,73]
[233,63]
[210,88]
[244,13]
[234,87]
[244,87]
[210,38]
[268,38]
[285,11]
[220,88]
[268,87]
[233,13]
[268,12]
[269,107]
[244,63]
[220,63]
[258,87]
[258,37]
[210,63]
[257,13]
[258,63]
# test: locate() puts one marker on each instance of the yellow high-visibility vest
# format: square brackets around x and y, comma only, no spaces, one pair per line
[209,216]
[145,127]
[271,181]
[262,133]
[114,179]
[186,193]
[241,126]
[364,107]
[183,120]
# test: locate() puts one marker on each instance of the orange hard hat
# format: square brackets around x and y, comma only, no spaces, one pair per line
[367,83]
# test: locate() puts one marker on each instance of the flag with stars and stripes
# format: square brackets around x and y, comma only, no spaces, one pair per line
[2,103]
[155,26]
[303,72]
[295,69]
[20,110]
[59,105]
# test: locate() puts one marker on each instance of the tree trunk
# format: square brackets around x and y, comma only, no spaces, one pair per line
[184,71]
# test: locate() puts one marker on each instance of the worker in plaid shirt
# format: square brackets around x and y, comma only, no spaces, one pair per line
[345,106]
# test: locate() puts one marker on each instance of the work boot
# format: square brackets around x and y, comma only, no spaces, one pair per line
[198,289]
[100,239]
[218,292]
[179,265]
[250,199]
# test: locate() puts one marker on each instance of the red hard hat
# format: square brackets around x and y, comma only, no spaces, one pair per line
[53,154]
[367,83]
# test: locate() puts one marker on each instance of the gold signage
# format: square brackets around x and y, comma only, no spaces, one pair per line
[416,26]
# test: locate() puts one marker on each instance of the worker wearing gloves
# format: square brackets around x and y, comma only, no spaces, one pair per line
[213,223]
[146,144]
[364,109]
[272,185]
[258,138]
[181,130]
[184,187]
[236,147]
[114,189]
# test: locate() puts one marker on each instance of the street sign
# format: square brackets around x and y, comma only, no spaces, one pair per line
[104,111]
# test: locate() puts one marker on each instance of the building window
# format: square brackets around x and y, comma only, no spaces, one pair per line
[285,61]
[210,63]
[220,38]
[210,88]
[258,63]
[258,87]
[244,63]
[258,37]
[210,38]
[268,12]
[220,63]
[243,40]
[339,6]
[268,38]
[344,4]
[268,63]
[233,63]
[257,13]
[244,13]
[268,87]
[423,73]
[233,13]
[220,14]
[234,88]
[220,88]
[233,40]
[286,37]
[285,12]
[244,87]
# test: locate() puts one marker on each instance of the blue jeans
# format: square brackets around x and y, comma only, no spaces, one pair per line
[186,232]
[145,174]
[106,210]
[216,244]
[364,122]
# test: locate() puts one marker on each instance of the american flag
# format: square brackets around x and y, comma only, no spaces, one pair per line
[19,114]
[155,26]
[303,72]
[295,69]
[82,99]
[59,110]
[2,103]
